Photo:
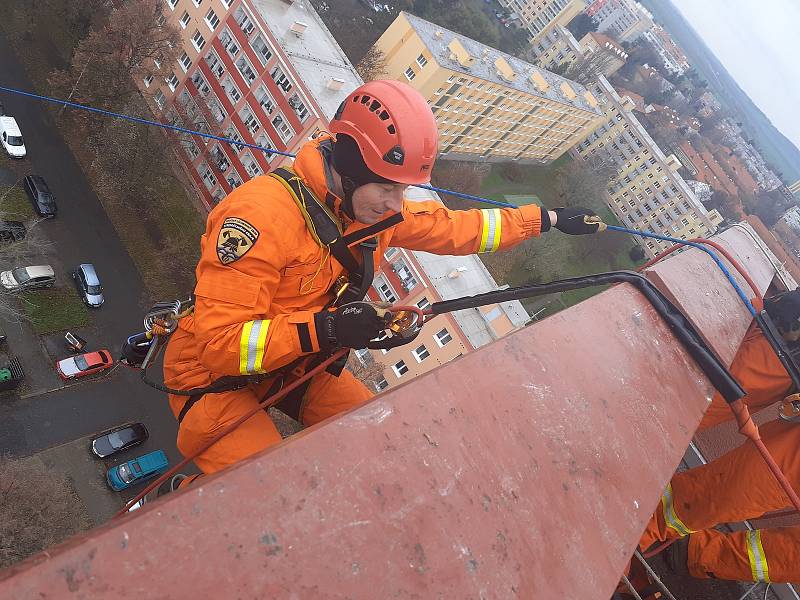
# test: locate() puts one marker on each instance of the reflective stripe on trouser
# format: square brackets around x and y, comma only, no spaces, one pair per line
[251,346]
[492,228]
[765,555]
[670,516]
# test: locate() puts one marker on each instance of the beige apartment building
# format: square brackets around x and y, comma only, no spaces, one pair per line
[540,16]
[490,106]
[559,47]
[647,194]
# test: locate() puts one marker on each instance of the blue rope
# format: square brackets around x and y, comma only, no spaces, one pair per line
[124,117]
[141,121]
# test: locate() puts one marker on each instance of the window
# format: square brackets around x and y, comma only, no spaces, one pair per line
[251,166]
[234,134]
[172,4]
[244,67]
[185,62]
[197,3]
[172,81]
[442,337]
[231,91]
[201,84]
[148,81]
[215,107]
[262,49]
[423,303]
[227,3]
[264,142]
[381,384]
[208,176]
[185,18]
[285,132]
[390,252]
[220,159]
[215,64]
[191,148]
[197,40]
[409,73]
[422,61]
[421,353]
[229,43]
[265,100]
[250,120]
[233,179]
[160,99]
[280,78]
[405,274]
[384,290]
[299,107]
[400,368]
[212,20]
[244,21]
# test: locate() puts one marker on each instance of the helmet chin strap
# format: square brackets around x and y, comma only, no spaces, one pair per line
[349,187]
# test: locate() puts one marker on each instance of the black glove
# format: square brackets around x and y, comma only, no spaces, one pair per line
[571,220]
[350,326]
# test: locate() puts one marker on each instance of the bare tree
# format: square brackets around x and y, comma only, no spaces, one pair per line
[586,69]
[38,508]
[372,65]
[134,43]
[459,176]
[369,371]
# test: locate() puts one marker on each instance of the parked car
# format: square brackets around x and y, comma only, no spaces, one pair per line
[39,192]
[137,470]
[119,438]
[11,137]
[27,278]
[12,231]
[85,364]
[88,284]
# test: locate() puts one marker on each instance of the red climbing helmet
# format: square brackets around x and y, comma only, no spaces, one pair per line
[394,128]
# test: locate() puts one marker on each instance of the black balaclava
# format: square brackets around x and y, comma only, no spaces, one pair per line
[784,310]
[353,170]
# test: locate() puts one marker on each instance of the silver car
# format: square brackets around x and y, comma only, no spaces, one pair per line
[88,284]
[26,278]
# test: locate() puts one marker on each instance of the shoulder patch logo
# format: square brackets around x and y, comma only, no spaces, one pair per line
[236,237]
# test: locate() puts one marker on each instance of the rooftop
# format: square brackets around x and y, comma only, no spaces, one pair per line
[437,40]
[314,53]
[605,41]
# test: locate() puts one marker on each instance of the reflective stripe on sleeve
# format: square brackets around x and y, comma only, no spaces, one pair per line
[251,346]
[490,233]
[758,559]
[670,516]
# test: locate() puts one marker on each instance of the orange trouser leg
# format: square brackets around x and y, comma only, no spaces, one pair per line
[735,487]
[214,412]
[761,555]
[328,396]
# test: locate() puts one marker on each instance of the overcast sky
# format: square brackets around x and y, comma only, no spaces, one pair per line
[757,41]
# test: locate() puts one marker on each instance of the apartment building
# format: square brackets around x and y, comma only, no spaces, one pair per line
[264,72]
[540,16]
[673,57]
[557,47]
[418,278]
[490,106]
[624,20]
[647,194]
[608,55]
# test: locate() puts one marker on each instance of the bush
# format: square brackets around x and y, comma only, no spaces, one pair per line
[636,254]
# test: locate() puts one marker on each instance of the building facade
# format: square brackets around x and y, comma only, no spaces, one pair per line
[489,106]
[647,193]
[540,16]
[417,278]
[263,72]
[675,61]
[604,51]
[624,20]
[557,47]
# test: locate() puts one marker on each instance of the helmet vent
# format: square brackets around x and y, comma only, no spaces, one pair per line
[384,115]
[391,129]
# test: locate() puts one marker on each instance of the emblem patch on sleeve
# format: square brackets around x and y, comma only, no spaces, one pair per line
[236,237]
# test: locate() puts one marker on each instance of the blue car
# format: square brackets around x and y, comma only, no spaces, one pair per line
[137,470]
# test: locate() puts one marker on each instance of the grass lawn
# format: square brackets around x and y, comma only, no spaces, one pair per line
[54,309]
[15,204]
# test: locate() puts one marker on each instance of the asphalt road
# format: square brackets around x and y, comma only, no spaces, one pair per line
[82,232]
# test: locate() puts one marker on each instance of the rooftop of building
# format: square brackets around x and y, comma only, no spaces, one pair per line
[606,41]
[437,40]
[638,100]
[314,53]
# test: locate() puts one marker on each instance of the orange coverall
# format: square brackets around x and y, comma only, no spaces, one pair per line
[738,486]
[260,280]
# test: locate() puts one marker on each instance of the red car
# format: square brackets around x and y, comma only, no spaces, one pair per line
[84,364]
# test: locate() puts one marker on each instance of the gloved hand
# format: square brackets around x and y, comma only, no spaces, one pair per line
[352,325]
[572,220]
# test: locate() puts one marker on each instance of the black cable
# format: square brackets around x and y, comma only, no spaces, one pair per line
[683,329]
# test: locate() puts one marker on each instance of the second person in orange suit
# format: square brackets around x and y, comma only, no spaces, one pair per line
[738,485]
[265,283]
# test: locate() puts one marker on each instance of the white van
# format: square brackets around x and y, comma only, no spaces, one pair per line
[11,137]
